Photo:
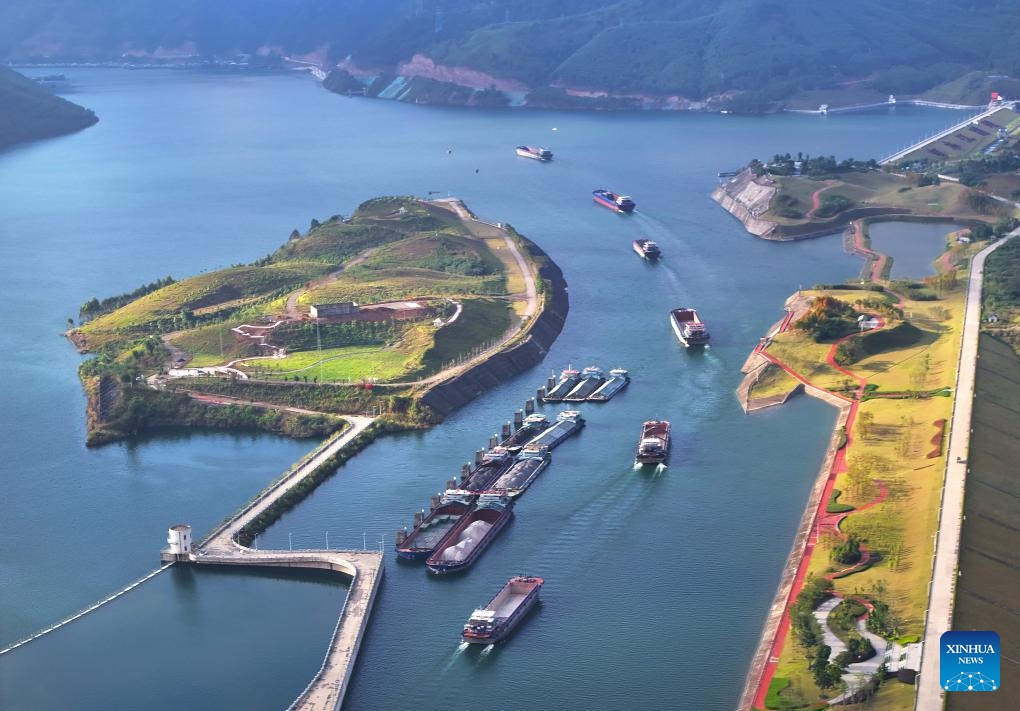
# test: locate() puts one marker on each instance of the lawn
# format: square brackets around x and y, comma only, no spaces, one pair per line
[353,364]
[774,381]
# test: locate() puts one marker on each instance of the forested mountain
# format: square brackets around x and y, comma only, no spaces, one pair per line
[692,48]
[28,112]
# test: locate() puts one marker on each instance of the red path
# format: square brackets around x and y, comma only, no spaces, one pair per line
[815,202]
[822,519]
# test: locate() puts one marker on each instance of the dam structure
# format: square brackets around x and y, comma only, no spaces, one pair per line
[326,690]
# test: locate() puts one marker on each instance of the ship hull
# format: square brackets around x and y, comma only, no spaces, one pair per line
[612,205]
[686,338]
[422,541]
[653,445]
[643,251]
[437,565]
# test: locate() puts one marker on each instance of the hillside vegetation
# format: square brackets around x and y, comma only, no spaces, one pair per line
[28,112]
[764,49]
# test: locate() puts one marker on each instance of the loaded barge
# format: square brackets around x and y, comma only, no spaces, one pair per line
[569,379]
[494,464]
[618,380]
[530,463]
[492,623]
[430,529]
[688,327]
[591,378]
[568,422]
[653,445]
[615,202]
[533,426]
[462,545]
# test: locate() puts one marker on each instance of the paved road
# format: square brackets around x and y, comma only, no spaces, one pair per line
[947,547]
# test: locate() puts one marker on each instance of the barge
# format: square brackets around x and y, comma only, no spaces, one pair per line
[542,154]
[688,326]
[568,381]
[462,545]
[567,423]
[591,378]
[647,249]
[533,426]
[615,202]
[494,464]
[653,445]
[430,529]
[530,463]
[618,380]
[492,623]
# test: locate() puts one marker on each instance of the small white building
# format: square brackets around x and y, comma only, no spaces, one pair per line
[179,540]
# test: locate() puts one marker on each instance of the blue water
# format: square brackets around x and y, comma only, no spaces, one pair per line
[913,246]
[657,585]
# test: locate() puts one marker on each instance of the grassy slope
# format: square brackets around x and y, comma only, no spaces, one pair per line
[29,112]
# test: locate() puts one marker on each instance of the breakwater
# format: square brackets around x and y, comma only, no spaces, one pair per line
[521,354]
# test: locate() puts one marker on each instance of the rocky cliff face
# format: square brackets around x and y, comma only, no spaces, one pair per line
[747,197]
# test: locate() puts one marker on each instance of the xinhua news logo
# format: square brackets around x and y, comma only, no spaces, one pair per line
[969,661]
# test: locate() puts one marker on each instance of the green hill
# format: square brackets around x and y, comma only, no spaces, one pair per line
[765,49]
[29,112]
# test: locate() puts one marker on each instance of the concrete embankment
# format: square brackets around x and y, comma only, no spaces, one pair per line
[525,353]
[747,197]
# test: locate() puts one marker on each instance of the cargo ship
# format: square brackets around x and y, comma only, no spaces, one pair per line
[493,465]
[530,463]
[619,203]
[430,529]
[618,380]
[567,423]
[568,381]
[542,154]
[591,378]
[533,426]
[688,327]
[492,623]
[647,249]
[653,446]
[462,545]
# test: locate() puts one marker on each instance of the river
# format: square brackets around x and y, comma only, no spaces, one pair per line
[657,586]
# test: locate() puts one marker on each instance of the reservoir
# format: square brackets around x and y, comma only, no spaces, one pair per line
[656,586]
[913,246]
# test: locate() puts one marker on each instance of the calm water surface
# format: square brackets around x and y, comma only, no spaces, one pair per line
[913,246]
[657,586]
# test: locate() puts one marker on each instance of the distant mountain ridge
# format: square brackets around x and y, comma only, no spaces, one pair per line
[29,112]
[750,51]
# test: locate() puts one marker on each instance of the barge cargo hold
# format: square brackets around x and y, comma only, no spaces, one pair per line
[618,380]
[492,623]
[542,154]
[591,378]
[472,534]
[688,327]
[647,249]
[653,445]
[567,423]
[568,381]
[617,203]
[530,463]
[421,542]
[494,464]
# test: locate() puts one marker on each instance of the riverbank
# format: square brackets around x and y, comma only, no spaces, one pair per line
[876,450]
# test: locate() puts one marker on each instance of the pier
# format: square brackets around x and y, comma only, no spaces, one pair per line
[327,688]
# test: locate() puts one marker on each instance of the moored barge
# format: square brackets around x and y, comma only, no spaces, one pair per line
[494,464]
[430,529]
[591,378]
[533,425]
[568,381]
[567,423]
[492,623]
[530,463]
[462,545]
[618,380]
